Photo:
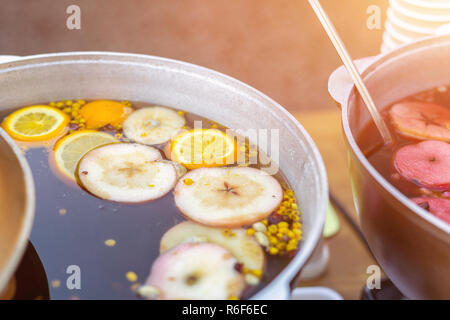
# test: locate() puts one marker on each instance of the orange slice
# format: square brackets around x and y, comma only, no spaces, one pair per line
[100,113]
[35,123]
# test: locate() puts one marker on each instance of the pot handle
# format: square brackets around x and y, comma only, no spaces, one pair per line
[315,293]
[313,269]
[282,292]
[340,83]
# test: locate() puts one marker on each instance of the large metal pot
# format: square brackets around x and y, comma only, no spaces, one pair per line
[16,208]
[207,93]
[411,245]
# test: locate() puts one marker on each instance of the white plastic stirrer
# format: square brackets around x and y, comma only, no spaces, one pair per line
[348,62]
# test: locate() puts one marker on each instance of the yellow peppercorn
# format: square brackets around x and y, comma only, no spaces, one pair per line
[273,251]
[291,247]
[272,228]
[52,104]
[56,283]
[281,246]
[273,240]
[290,234]
[188,181]
[283,230]
[181,113]
[131,276]
[110,242]
[294,206]
[265,222]
[296,225]
[250,231]
[257,272]
[59,104]
[283,224]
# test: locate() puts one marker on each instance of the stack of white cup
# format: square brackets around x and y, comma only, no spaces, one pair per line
[409,20]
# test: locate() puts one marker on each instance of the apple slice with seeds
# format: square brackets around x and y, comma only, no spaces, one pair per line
[126,172]
[426,164]
[229,197]
[196,271]
[421,120]
[243,246]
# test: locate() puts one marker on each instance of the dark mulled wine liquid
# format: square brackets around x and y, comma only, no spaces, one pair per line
[71,227]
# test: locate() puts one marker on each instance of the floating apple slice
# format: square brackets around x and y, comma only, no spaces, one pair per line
[153,125]
[181,171]
[426,164]
[421,120]
[196,271]
[243,247]
[227,197]
[436,206]
[126,172]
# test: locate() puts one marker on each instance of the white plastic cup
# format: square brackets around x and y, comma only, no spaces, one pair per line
[445,29]
[410,20]
[428,11]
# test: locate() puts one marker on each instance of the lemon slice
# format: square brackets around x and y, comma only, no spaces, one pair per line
[35,123]
[203,148]
[69,150]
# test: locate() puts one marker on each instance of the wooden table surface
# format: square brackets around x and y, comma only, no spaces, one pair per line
[349,257]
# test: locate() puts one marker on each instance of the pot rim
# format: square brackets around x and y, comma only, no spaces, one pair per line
[379,60]
[282,281]
[27,219]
